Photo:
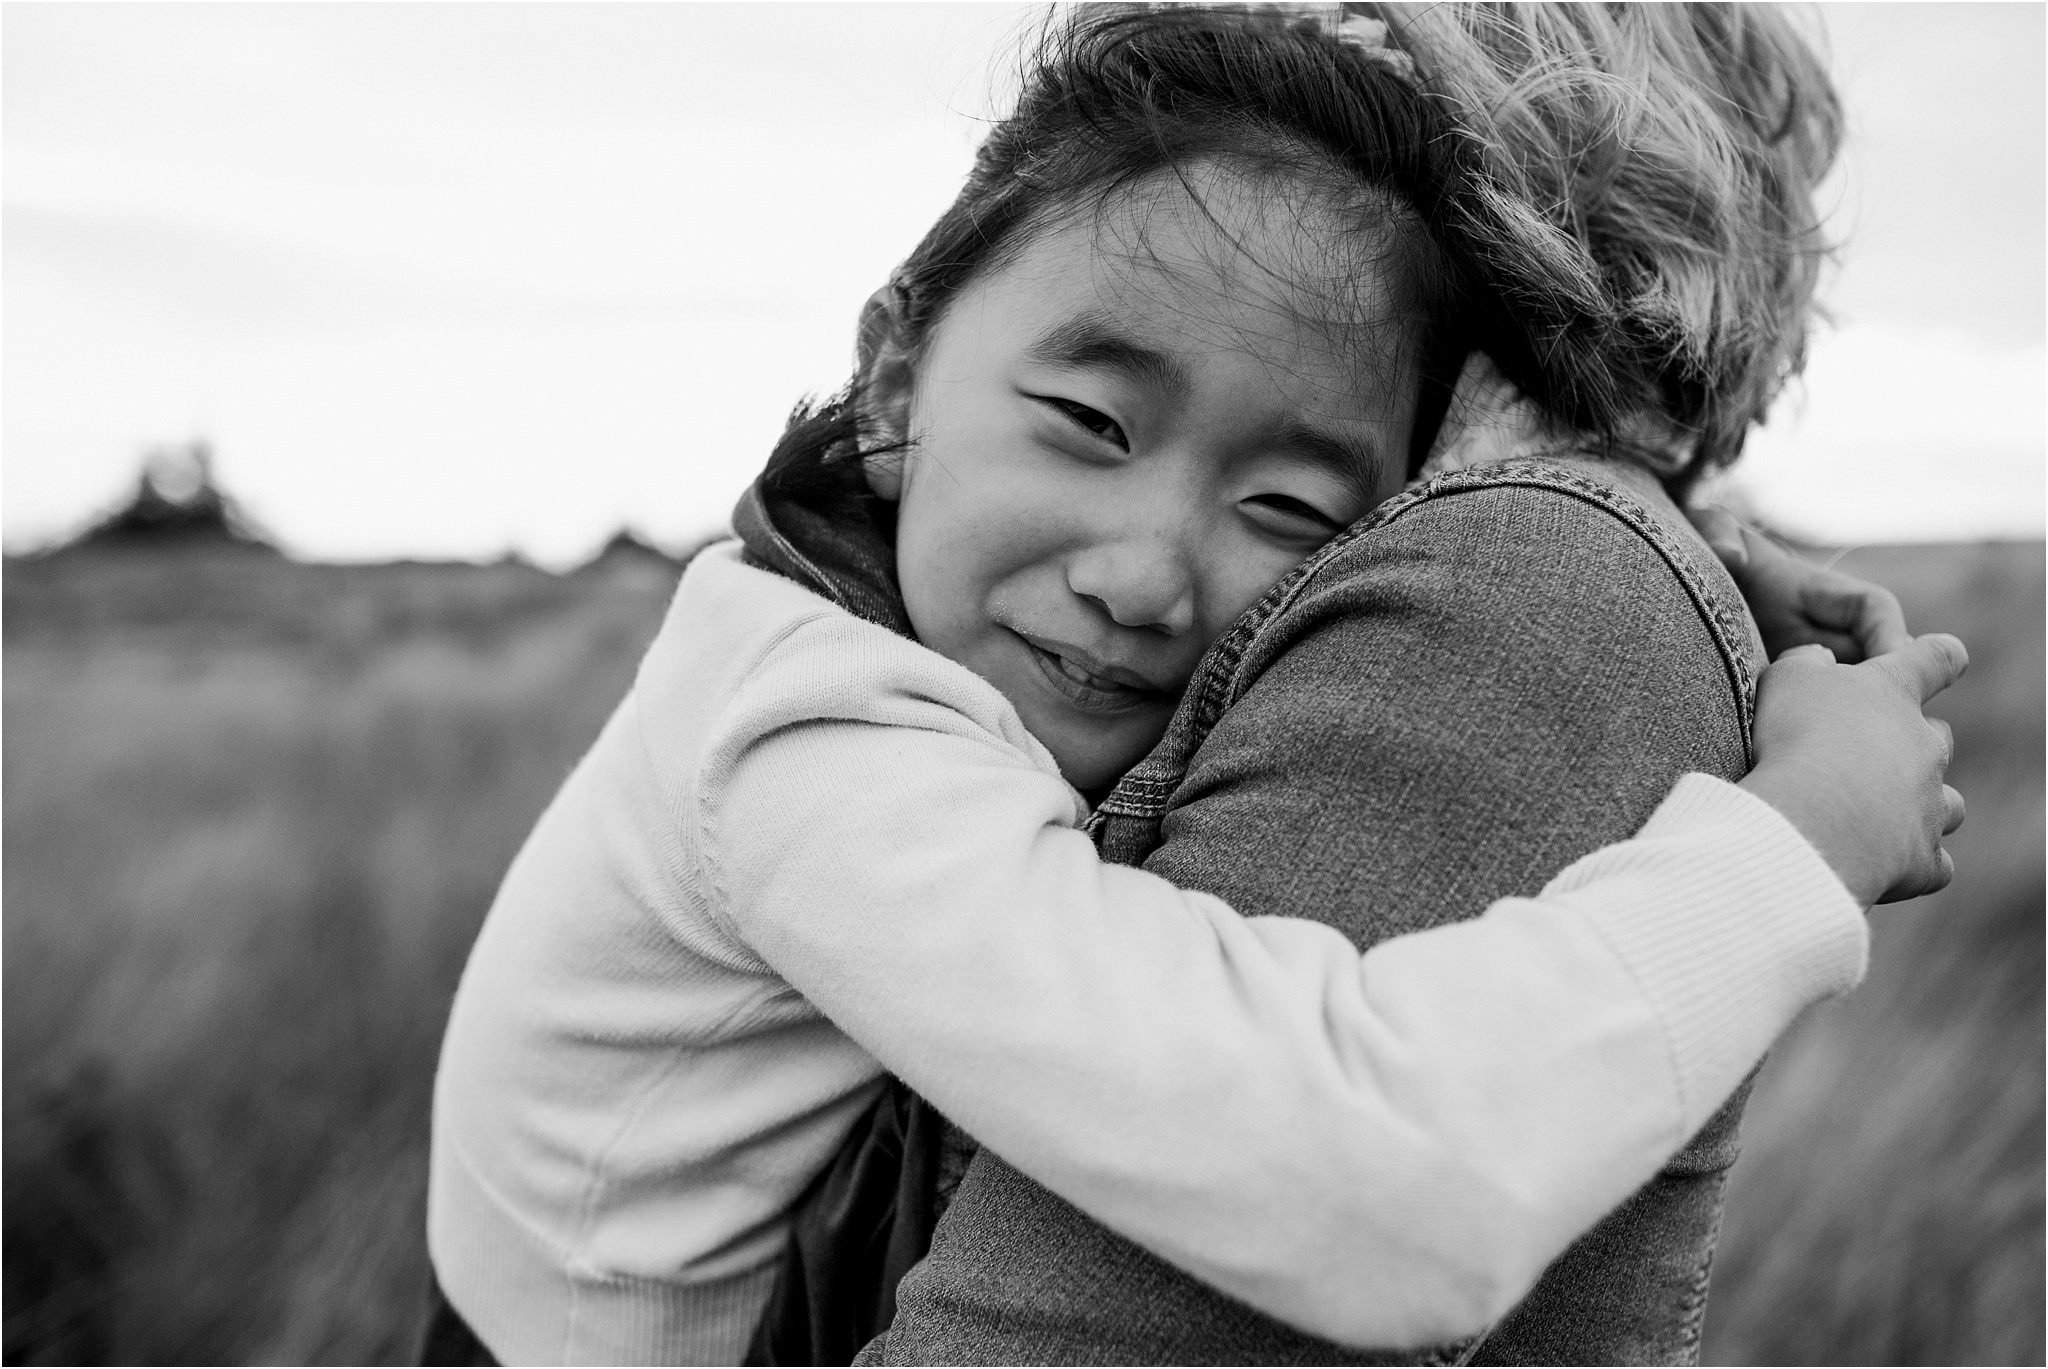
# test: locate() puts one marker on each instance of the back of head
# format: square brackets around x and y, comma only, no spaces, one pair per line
[1665,158]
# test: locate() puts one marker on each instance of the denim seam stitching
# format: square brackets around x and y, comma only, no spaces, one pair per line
[1145,792]
[1533,473]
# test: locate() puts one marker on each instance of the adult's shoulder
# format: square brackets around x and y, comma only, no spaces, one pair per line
[1564,564]
[1505,670]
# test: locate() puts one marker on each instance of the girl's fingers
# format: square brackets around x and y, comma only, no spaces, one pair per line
[1880,622]
[1870,613]
[1811,653]
[1948,740]
[1926,665]
[1924,881]
[1845,647]
[1952,812]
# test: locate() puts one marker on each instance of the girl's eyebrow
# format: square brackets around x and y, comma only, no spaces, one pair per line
[1356,462]
[1089,341]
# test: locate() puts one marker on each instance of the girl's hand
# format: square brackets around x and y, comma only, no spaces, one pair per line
[1797,603]
[1845,754]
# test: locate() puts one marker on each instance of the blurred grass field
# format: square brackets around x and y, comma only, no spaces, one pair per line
[254,812]
[1888,1205]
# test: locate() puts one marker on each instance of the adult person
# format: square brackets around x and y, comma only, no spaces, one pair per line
[1493,674]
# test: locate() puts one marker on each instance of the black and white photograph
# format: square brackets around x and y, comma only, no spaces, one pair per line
[981,683]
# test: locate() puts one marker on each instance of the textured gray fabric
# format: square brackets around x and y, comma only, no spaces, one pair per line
[1494,675]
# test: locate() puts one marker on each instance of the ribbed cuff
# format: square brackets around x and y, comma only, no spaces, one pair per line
[1731,923]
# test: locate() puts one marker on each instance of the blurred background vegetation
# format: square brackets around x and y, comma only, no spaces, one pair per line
[255,810]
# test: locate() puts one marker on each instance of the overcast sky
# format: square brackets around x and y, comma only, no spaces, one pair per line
[448,280]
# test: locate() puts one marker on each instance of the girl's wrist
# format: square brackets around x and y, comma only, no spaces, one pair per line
[1815,803]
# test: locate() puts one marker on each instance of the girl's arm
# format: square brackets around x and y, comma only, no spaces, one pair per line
[1837,746]
[1798,607]
[1382,1149]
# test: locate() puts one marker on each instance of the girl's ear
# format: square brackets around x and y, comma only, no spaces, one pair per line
[885,388]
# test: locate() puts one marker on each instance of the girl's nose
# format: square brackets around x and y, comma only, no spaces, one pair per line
[1139,581]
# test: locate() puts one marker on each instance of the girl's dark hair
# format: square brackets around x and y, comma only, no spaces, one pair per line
[1116,95]
[1613,204]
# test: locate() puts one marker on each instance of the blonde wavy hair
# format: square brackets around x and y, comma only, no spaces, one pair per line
[1644,179]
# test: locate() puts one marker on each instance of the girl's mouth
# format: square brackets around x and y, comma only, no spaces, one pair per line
[1089,684]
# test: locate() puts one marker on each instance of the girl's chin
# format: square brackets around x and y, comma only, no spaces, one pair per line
[1091,749]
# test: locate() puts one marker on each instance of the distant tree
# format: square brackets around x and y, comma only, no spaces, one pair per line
[628,548]
[176,503]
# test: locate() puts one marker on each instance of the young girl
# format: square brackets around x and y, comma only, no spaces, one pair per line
[1111,400]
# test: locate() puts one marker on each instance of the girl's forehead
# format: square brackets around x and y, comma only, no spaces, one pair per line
[1219,259]
[1217,292]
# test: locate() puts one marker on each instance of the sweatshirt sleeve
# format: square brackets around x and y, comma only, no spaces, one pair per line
[1383,1148]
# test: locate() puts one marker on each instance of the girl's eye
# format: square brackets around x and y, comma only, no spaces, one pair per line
[1094,420]
[1286,516]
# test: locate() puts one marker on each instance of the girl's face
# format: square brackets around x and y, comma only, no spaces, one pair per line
[1124,437]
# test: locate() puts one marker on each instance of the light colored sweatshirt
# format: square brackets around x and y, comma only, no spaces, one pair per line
[806,850]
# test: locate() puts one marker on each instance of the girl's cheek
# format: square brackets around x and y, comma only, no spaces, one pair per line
[1237,569]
